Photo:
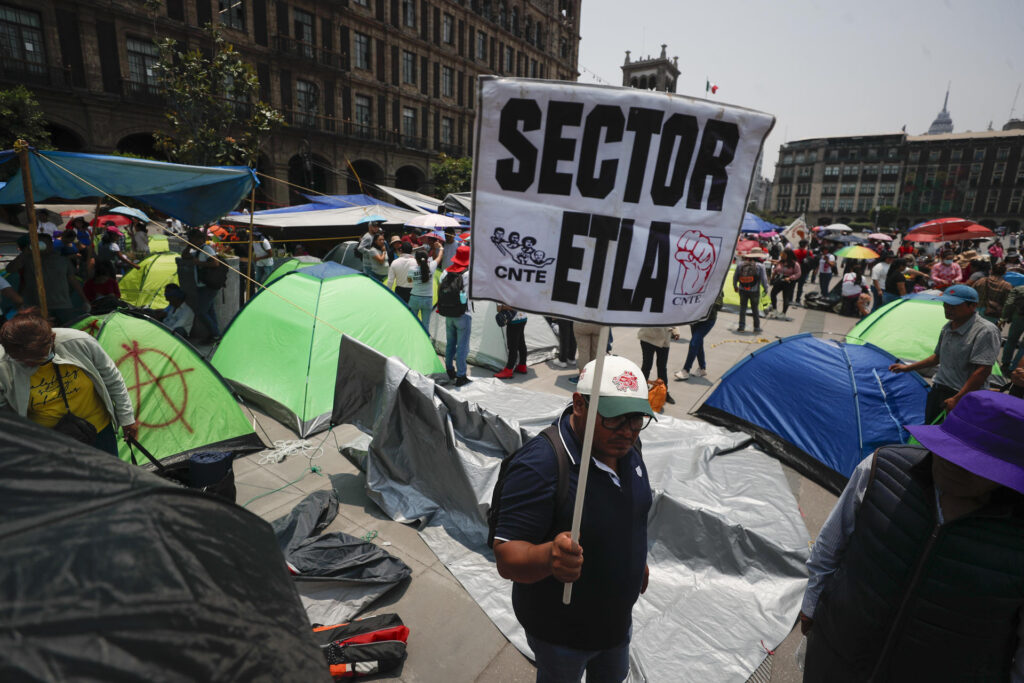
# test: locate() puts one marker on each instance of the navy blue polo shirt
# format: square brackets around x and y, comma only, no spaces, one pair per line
[613,534]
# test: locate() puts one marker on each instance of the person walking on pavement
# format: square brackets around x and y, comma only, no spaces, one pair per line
[803,257]
[916,573]
[366,246]
[654,342]
[748,279]
[826,269]
[515,342]
[879,271]
[993,290]
[1013,313]
[967,349]
[785,274]
[453,304]
[608,568]
[698,331]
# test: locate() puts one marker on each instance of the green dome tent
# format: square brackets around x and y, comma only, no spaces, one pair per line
[288,265]
[285,360]
[908,328]
[144,286]
[180,401]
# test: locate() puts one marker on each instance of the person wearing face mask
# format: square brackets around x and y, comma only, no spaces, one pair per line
[946,272]
[916,574]
[33,354]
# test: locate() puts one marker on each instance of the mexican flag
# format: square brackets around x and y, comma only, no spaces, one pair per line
[710,88]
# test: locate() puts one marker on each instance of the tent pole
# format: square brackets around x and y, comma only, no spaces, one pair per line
[248,268]
[21,147]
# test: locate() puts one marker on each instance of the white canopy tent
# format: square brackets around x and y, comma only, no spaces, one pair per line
[487,347]
[346,217]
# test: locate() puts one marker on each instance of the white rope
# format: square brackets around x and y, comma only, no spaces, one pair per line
[286,447]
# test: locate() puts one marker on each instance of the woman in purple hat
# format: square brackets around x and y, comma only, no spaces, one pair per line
[918,573]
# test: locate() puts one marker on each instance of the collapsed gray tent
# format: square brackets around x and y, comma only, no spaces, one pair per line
[345,254]
[109,573]
[727,543]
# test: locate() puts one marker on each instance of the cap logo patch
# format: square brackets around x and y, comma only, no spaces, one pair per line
[626,382]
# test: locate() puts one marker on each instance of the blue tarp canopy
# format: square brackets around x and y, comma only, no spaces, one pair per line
[752,223]
[820,406]
[192,194]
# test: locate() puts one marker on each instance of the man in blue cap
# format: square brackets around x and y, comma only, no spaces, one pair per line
[967,349]
[916,574]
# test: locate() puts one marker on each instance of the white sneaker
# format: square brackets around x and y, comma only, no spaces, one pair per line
[559,363]
[682,375]
[700,372]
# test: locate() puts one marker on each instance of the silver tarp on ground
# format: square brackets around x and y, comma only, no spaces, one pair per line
[727,544]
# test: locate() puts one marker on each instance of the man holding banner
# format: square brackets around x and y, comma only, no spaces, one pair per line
[608,206]
[593,632]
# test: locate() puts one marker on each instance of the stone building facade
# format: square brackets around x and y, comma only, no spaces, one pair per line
[374,89]
[842,179]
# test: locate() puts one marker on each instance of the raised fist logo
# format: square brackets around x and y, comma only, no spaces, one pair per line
[696,254]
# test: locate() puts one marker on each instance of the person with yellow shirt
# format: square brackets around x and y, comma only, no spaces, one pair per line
[33,354]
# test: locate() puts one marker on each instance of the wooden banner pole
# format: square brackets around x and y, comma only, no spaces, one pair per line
[21,147]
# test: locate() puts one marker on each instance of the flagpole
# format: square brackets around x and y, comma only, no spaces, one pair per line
[21,147]
[248,269]
[588,443]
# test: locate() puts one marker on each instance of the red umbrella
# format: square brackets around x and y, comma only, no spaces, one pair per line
[948,230]
[115,218]
[745,245]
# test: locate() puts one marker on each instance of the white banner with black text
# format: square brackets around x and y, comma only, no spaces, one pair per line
[610,205]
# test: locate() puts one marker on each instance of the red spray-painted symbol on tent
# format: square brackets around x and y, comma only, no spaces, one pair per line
[168,385]
[93,327]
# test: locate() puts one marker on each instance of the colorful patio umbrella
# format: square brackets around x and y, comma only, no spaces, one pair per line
[947,230]
[856,251]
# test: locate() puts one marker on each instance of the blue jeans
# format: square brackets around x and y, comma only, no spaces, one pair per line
[753,300]
[205,298]
[559,664]
[824,280]
[888,298]
[422,305]
[696,351]
[457,342]
[261,272]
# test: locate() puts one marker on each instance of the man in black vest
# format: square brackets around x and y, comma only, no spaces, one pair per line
[609,564]
[918,573]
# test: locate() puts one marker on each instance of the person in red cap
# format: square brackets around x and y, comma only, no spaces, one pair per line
[918,572]
[453,304]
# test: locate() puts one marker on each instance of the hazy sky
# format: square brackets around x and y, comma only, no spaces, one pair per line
[825,68]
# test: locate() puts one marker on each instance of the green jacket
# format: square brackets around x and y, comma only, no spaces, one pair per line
[1014,303]
[71,348]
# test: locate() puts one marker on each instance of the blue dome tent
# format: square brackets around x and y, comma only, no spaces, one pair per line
[818,405]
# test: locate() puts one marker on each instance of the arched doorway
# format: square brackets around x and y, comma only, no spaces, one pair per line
[65,139]
[139,144]
[1012,225]
[369,172]
[307,175]
[988,223]
[409,178]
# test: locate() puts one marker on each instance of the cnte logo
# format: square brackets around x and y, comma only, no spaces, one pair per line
[523,252]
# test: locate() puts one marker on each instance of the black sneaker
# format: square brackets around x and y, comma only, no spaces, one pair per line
[669,399]
[451,373]
[462,380]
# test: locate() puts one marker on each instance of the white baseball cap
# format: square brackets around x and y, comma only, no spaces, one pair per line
[623,387]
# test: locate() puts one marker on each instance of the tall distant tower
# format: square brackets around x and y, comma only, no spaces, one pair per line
[943,123]
[659,73]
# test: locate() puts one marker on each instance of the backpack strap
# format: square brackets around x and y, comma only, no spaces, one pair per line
[551,433]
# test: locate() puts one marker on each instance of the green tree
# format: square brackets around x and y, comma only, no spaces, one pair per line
[213,106]
[884,216]
[21,118]
[452,174]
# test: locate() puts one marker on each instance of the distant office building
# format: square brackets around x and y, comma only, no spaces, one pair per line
[841,179]
[370,88]
[943,123]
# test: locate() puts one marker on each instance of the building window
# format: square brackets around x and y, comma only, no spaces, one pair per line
[828,190]
[448,29]
[803,189]
[361,48]
[800,157]
[831,170]
[783,205]
[481,47]
[890,169]
[408,67]
[851,170]
[852,154]
[364,115]
[848,189]
[956,154]
[872,153]
[307,103]
[828,204]
[914,155]
[800,205]
[833,155]
[408,126]
[447,130]
[970,198]
[979,154]
[304,32]
[363,3]
[1003,153]
[998,171]
[21,41]
[533,68]
[975,176]
[933,155]
[231,13]
[785,190]
[1015,201]
[888,189]
[510,60]
[787,158]
[447,81]
[409,13]
[142,56]
[1020,172]
[786,173]
[806,171]
[992,201]
[846,205]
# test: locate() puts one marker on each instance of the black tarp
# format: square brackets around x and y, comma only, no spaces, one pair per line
[109,573]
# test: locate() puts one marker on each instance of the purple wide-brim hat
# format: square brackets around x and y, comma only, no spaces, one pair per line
[984,434]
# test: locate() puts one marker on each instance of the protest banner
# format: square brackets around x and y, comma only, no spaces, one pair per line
[609,205]
[616,206]
[797,231]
